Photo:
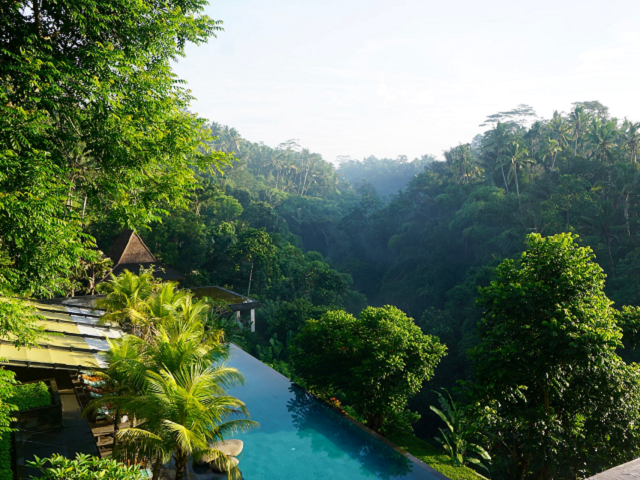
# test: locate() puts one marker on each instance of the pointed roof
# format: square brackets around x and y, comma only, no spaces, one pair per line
[129,252]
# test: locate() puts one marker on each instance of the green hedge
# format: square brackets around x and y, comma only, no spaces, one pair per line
[30,395]
[5,456]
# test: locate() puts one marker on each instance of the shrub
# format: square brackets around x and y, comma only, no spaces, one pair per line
[84,467]
[30,395]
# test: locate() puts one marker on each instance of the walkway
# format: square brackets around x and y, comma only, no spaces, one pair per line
[74,437]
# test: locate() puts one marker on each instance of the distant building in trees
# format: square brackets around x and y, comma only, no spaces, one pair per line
[129,252]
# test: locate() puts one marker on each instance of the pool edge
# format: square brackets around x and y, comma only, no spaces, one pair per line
[386,441]
[374,434]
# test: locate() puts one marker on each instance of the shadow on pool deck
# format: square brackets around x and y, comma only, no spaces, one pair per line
[74,437]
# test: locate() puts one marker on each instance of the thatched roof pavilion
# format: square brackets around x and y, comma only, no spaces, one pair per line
[129,252]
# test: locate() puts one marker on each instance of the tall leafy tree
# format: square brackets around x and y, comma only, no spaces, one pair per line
[256,248]
[91,117]
[378,361]
[547,354]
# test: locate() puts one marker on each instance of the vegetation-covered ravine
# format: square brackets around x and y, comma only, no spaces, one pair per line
[481,310]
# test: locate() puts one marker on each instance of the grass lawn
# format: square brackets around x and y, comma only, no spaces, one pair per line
[433,457]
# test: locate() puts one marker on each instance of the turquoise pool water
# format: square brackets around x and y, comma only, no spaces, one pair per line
[300,438]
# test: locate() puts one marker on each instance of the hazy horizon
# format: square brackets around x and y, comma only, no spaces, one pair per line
[407,78]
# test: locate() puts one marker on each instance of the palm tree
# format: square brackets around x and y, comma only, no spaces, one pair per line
[497,140]
[123,378]
[578,119]
[552,148]
[516,157]
[172,382]
[465,163]
[624,184]
[126,300]
[164,303]
[603,138]
[632,140]
[183,413]
[559,130]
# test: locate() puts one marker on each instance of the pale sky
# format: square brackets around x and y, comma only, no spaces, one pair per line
[389,78]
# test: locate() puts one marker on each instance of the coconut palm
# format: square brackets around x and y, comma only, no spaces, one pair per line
[559,129]
[497,140]
[182,413]
[163,304]
[173,383]
[516,156]
[602,136]
[122,379]
[552,148]
[578,119]
[126,299]
[632,139]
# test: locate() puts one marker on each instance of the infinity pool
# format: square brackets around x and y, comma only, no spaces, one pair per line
[300,438]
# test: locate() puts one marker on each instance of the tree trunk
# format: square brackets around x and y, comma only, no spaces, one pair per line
[626,213]
[156,468]
[613,268]
[305,180]
[250,277]
[84,206]
[515,176]
[116,427]
[181,464]
[506,185]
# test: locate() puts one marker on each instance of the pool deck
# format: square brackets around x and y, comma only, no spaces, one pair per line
[74,437]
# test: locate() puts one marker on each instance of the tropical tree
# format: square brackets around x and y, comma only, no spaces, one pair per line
[126,301]
[546,353]
[93,121]
[461,162]
[164,302]
[169,378]
[602,137]
[516,156]
[578,119]
[122,379]
[551,150]
[255,247]
[183,412]
[496,141]
[378,360]
[559,129]
[632,139]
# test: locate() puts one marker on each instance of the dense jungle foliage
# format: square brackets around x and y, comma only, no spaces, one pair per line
[427,250]
[489,250]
